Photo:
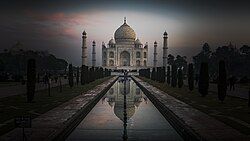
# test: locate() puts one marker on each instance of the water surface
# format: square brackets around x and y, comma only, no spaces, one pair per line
[115,119]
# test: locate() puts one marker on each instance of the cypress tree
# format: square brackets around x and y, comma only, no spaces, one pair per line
[153,74]
[87,74]
[168,75]
[102,72]
[174,73]
[110,72]
[222,81]
[38,78]
[70,78]
[249,98]
[158,74]
[82,75]
[203,79]
[180,78]
[31,79]
[90,74]
[163,74]
[148,73]
[77,75]
[60,83]
[190,77]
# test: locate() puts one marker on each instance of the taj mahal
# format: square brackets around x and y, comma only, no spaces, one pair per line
[125,51]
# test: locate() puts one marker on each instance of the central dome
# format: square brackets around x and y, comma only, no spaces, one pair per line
[125,33]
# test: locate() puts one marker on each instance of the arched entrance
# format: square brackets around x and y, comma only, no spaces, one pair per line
[125,59]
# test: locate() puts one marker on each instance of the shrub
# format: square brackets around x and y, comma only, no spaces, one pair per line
[71,83]
[190,77]
[31,79]
[153,74]
[168,75]
[180,78]
[222,81]
[77,75]
[174,73]
[203,79]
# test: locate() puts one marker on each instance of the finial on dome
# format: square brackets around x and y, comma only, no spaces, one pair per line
[125,20]
[165,33]
[84,32]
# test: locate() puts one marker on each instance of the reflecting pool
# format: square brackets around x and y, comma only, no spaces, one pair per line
[124,113]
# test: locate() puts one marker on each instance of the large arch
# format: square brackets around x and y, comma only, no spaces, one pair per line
[111,54]
[111,63]
[138,63]
[124,58]
[138,54]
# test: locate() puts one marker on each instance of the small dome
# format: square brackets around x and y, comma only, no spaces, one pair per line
[111,41]
[165,33]
[155,42]
[84,32]
[125,33]
[138,42]
[119,111]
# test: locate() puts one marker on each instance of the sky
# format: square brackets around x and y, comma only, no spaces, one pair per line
[56,26]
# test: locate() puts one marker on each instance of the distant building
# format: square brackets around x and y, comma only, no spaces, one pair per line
[125,51]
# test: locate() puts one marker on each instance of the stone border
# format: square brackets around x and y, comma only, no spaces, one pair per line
[78,117]
[184,131]
[190,123]
[59,122]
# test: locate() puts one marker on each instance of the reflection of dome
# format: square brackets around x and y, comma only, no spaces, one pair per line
[125,33]
[127,90]
[118,110]
[137,103]
[111,103]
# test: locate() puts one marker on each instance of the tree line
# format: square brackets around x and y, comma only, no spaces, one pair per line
[237,61]
[174,77]
[84,75]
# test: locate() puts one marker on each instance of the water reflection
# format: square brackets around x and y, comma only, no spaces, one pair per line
[115,98]
[124,113]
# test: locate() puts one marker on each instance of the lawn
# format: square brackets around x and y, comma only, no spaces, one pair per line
[8,84]
[233,111]
[16,105]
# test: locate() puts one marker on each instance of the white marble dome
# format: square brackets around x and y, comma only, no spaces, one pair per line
[125,34]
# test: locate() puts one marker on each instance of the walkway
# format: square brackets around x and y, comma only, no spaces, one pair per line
[55,123]
[198,123]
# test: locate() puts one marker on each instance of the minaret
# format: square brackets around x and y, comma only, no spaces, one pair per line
[155,54]
[84,48]
[165,49]
[93,54]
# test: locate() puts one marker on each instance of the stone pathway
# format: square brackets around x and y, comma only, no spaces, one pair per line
[54,123]
[201,124]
